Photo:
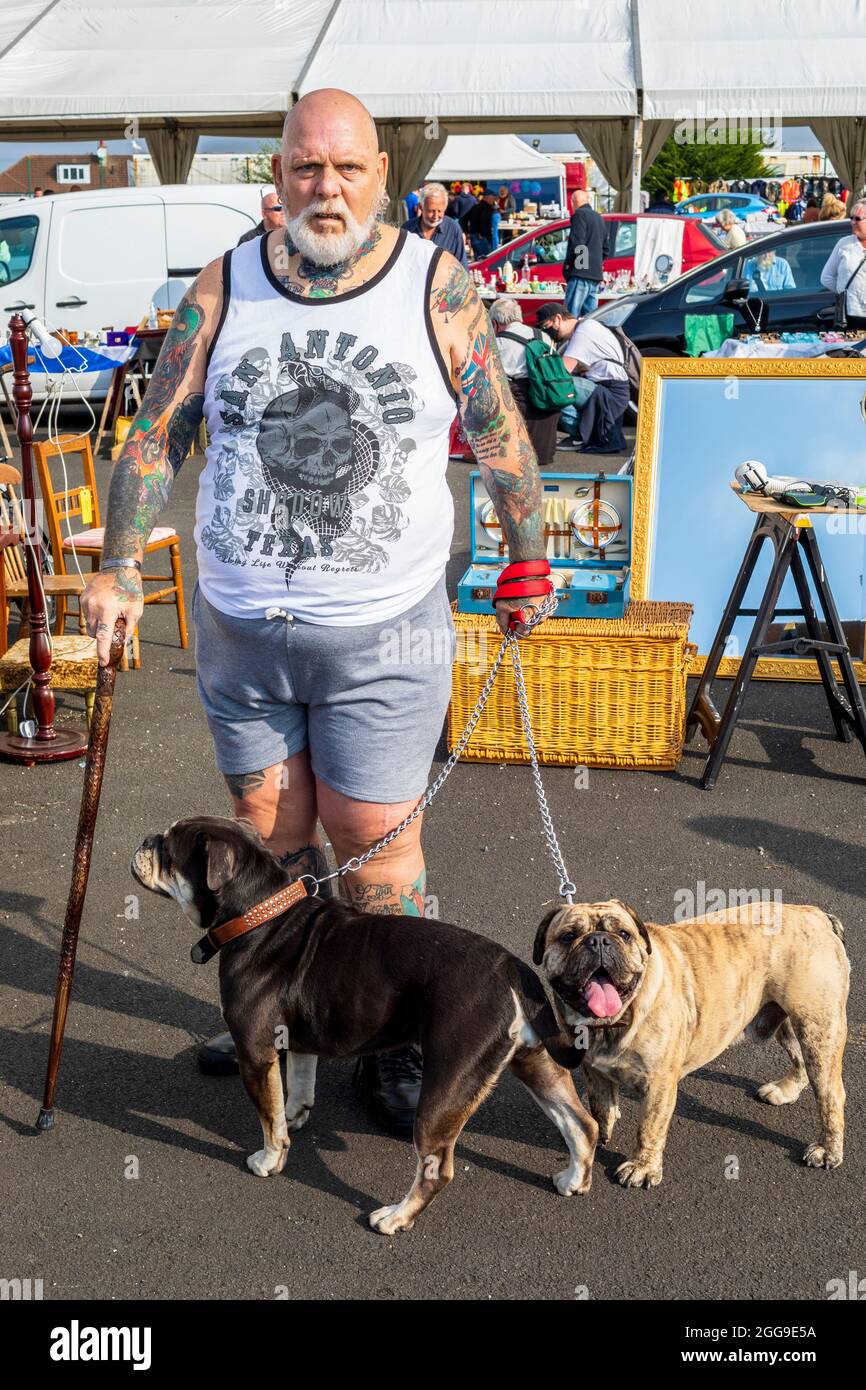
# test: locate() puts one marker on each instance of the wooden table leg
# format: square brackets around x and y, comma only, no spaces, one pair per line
[702,712]
[837,634]
[111,407]
[839,709]
[784,537]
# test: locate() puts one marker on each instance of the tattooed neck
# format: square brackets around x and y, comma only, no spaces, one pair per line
[319,280]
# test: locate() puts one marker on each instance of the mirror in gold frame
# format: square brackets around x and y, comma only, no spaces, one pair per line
[698,419]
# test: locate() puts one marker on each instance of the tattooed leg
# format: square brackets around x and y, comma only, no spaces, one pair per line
[395,881]
[280,801]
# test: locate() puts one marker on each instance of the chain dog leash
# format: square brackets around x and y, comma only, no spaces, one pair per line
[510,641]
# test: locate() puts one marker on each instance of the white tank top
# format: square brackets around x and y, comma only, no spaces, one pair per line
[324,492]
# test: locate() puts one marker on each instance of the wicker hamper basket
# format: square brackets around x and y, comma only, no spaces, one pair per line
[602,693]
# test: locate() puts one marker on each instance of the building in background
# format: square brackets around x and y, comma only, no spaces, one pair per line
[206,168]
[64,173]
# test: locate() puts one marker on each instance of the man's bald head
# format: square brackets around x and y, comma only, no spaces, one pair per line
[330,109]
[330,175]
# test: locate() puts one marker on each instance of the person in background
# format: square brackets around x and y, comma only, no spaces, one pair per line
[662,203]
[831,208]
[481,223]
[595,358]
[811,211]
[461,202]
[731,230]
[845,271]
[512,335]
[412,201]
[272,217]
[794,211]
[432,222]
[769,273]
[507,205]
[38,192]
[583,267]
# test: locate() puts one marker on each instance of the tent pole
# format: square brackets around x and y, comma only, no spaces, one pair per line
[636,164]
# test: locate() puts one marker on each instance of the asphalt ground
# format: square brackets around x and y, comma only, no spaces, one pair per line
[141,1191]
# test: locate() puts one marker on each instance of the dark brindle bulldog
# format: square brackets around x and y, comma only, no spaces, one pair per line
[652,1003]
[344,983]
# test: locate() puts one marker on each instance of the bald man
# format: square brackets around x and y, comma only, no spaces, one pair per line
[273,217]
[328,360]
[583,266]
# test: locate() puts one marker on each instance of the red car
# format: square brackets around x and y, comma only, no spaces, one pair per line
[546,245]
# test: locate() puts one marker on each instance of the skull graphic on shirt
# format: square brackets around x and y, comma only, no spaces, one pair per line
[315,456]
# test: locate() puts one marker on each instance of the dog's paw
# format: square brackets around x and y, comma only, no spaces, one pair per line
[298,1120]
[778,1092]
[817,1156]
[606,1125]
[633,1173]
[265,1162]
[572,1180]
[389,1220]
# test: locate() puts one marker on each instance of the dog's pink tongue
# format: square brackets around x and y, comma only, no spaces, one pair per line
[602,998]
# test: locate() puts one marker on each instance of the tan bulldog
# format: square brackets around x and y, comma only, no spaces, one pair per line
[652,1003]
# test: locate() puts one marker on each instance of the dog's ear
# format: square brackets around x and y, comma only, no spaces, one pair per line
[641,925]
[541,935]
[221,863]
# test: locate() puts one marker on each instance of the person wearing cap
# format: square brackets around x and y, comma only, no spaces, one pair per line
[595,358]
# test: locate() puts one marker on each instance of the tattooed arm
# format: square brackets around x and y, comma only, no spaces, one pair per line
[158,442]
[491,419]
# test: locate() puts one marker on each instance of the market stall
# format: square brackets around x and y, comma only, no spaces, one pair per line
[503,161]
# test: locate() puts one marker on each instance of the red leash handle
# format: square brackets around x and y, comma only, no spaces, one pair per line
[524,569]
[523,579]
[523,588]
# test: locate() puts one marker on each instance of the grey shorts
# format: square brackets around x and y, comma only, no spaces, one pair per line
[369,701]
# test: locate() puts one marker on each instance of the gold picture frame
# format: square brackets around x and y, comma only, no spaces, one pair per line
[656,371]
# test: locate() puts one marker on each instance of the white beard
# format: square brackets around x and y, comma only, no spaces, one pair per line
[329,248]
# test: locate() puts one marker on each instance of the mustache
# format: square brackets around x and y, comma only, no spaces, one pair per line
[332,206]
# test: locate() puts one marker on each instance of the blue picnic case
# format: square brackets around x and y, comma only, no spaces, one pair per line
[587,526]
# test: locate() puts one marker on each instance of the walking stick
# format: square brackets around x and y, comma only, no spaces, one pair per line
[94,767]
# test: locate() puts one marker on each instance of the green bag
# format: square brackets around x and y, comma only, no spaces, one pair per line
[706,332]
[551,386]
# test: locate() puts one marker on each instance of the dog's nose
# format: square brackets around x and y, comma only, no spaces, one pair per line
[143,856]
[595,941]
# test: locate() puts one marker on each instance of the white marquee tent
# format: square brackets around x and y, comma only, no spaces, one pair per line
[620,73]
[496,158]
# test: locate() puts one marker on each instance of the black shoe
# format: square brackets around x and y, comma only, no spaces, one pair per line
[218,1057]
[391,1084]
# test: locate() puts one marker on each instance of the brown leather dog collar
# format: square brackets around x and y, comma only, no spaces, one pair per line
[208,945]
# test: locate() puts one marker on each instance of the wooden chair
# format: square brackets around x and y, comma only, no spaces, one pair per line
[56,586]
[73,659]
[82,501]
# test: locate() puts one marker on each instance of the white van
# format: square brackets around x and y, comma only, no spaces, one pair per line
[93,260]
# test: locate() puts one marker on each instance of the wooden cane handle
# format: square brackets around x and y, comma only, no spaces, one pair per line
[118,642]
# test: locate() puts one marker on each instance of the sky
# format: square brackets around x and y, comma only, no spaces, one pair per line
[795,138]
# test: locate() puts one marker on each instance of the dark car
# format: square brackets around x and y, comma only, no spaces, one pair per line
[781,292]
